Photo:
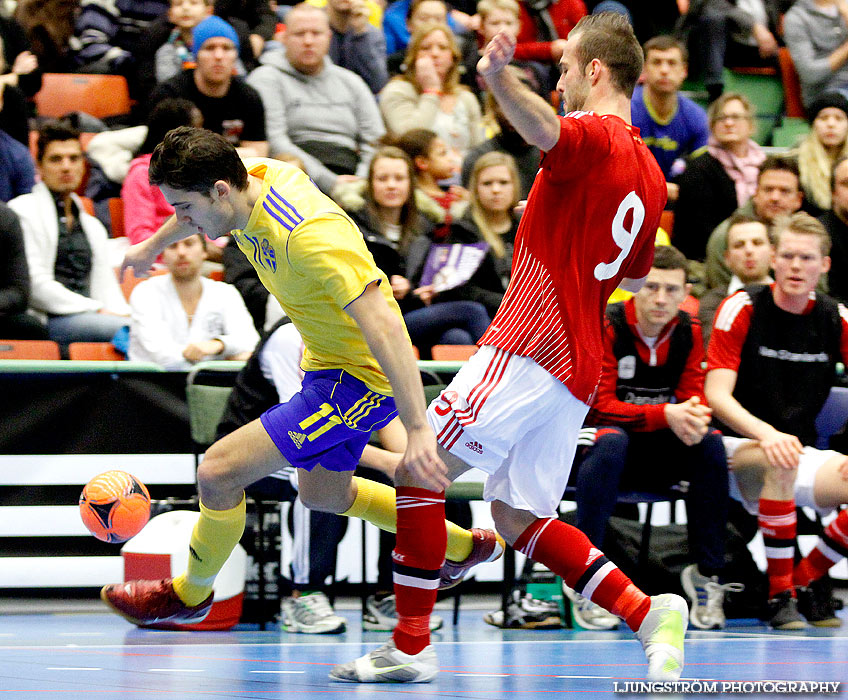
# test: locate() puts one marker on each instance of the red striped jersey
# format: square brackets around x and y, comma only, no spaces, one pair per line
[591,219]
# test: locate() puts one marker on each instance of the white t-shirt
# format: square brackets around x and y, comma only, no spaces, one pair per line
[160,329]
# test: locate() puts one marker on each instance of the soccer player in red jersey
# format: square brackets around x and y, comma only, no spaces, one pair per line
[515,409]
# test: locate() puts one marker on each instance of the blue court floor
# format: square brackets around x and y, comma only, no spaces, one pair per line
[89,653]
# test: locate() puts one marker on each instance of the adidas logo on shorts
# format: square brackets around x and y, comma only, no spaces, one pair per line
[475,446]
[297,438]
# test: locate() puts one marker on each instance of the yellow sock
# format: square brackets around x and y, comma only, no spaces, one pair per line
[215,536]
[376,504]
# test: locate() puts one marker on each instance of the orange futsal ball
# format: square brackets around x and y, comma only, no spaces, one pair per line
[114,506]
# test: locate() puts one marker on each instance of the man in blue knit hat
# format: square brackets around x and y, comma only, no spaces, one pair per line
[229,105]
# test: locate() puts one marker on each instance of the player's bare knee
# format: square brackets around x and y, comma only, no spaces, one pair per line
[217,474]
[323,501]
[778,476]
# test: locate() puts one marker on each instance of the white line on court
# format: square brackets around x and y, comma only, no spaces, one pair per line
[772,639]
[484,675]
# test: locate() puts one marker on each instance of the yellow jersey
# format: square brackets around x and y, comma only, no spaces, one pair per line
[313,259]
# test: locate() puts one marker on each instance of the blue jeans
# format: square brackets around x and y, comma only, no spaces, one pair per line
[87,327]
[447,323]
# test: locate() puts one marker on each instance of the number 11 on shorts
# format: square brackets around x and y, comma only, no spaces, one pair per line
[323,412]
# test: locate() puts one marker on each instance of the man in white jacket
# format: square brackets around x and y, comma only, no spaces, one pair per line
[182,318]
[72,282]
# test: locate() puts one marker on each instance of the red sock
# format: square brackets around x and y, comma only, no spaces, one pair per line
[417,559]
[831,548]
[568,553]
[778,523]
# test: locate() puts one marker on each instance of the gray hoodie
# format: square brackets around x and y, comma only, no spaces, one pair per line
[811,35]
[334,106]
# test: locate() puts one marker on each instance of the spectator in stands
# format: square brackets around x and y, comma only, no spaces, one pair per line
[17,171]
[166,48]
[182,318]
[256,14]
[356,44]
[549,22]
[733,34]
[272,375]
[229,105]
[14,111]
[428,94]
[748,257]
[108,33]
[323,114]
[778,193]
[385,207]
[145,208]
[21,64]
[770,366]
[826,143]
[403,17]
[836,222]
[507,140]
[671,125]
[49,26]
[650,401]
[15,322]
[717,182]
[816,34]
[490,218]
[434,163]
[72,279]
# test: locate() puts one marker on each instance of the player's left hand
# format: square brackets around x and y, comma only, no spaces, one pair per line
[422,462]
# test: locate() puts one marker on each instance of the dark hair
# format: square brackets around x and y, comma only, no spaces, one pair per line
[54,131]
[741,218]
[667,257]
[193,160]
[665,42]
[839,161]
[166,115]
[786,163]
[609,37]
[416,142]
[409,211]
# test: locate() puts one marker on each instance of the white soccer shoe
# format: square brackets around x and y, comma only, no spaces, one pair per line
[661,633]
[388,664]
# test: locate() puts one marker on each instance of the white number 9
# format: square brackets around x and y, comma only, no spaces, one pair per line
[622,237]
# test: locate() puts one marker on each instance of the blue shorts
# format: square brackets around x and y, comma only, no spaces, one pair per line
[328,422]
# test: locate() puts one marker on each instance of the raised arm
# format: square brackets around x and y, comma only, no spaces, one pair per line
[141,256]
[531,116]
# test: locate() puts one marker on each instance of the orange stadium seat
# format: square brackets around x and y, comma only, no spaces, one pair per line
[130,281]
[116,216]
[94,351]
[791,84]
[667,222]
[29,350]
[447,353]
[98,95]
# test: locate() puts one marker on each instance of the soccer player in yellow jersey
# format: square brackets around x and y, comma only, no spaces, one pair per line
[359,369]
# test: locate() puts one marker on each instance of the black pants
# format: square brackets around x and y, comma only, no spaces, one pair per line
[621,461]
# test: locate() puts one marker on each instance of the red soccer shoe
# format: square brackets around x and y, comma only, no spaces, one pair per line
[488,545]
[152,603]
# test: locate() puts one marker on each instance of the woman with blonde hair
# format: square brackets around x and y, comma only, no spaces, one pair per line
[428,94]
[826,143]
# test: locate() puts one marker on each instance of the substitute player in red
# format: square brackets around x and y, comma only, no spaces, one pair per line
[516,407]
